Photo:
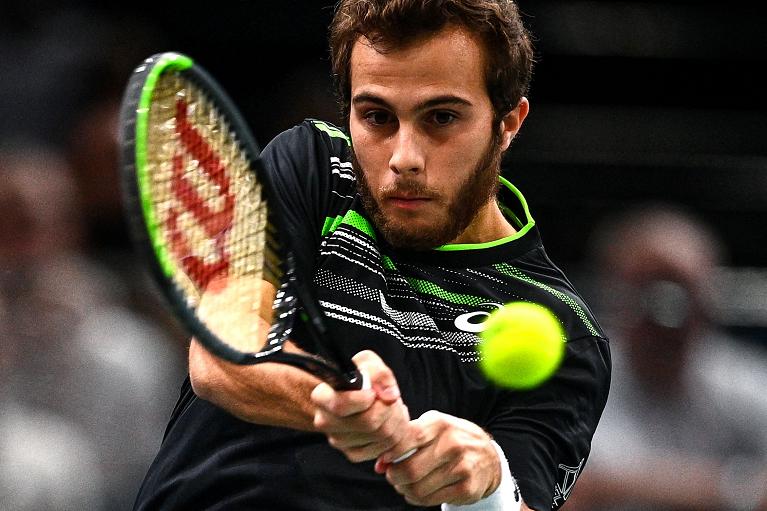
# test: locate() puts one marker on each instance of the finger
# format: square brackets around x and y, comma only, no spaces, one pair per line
[466,473]
[382,466]
[358,453]
[406,455]
[425,433]
[379,421]
[372,426]
[411,440]
[381,377]
[442,481]
[416,467]
[342,404]
[451,494]
[346,440]
[419,433]
[363,443]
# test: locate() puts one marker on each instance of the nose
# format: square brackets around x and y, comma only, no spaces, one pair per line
[407,152]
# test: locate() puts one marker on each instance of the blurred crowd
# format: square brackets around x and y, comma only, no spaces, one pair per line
[685,427]
[91,363]
[87,379]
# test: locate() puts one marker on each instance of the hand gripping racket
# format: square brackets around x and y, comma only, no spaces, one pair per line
[201,209]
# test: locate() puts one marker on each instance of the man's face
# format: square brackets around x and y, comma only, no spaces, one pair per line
[422,128]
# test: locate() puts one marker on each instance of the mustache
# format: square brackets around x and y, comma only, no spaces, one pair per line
[407,187]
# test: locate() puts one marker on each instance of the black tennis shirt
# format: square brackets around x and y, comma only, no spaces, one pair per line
[421,312]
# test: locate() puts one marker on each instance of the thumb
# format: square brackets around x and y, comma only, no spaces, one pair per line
[382,379]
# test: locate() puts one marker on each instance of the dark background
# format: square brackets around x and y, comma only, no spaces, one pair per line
[631,100]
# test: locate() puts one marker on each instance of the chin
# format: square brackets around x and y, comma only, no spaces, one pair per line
[414,237]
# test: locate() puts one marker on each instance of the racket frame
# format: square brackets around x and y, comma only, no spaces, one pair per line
[341,373]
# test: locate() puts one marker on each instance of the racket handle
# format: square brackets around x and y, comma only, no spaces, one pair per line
[348,381]
[328,372]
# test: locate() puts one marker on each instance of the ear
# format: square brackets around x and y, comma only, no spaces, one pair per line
[512,121]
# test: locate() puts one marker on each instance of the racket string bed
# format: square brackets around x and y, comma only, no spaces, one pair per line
[198,199]
[212,213]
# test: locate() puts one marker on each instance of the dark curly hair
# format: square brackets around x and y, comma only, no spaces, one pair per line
[391,24]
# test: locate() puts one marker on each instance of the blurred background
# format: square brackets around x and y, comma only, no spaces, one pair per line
[643,161]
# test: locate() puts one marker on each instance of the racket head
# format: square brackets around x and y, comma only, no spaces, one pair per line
[198,202]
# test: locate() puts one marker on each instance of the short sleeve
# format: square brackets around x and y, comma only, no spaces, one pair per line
[298,164]
[546,433]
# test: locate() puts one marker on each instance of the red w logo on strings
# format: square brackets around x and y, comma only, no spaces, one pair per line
[190,198]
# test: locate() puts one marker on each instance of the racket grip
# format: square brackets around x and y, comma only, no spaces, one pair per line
[329,373]
[348,381]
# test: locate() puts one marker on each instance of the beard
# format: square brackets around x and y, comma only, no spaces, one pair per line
[479,187]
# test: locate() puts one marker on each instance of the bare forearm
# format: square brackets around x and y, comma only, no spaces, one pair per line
[269,394]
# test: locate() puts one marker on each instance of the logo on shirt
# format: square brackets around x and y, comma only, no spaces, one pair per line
[568,476]
[473,322]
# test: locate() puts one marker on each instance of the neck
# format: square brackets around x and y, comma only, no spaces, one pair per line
[489,224]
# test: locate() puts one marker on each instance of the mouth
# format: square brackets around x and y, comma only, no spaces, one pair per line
[407,202]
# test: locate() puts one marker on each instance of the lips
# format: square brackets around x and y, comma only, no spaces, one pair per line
[407,202]
[407,197]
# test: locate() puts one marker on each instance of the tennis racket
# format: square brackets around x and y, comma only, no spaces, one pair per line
[202,211]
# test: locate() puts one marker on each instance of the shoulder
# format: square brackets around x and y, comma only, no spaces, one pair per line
[543,282]
[311,135]
[588,359]
[313,155]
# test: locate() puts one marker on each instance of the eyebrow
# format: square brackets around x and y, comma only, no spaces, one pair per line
[446,99]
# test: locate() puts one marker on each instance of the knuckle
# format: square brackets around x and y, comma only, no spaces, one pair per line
[369,423]
[415,502]
[410,473]
[405,411]
[463,470]
[319,421]
[335,407]
[464,491]
[412,494]
[454,450]
[364,356]
[355,457]
[353,454]
[368,360]
[402,476]
[419,493]
[388,431]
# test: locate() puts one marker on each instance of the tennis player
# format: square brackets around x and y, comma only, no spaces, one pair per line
[412,238]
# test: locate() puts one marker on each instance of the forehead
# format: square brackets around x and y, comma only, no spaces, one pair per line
[451,61]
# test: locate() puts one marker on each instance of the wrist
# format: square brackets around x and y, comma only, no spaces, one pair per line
[498,473]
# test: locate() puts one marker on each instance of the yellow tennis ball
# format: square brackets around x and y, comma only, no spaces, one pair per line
[521,346]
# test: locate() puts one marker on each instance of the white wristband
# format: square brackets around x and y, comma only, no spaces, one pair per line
[505,498]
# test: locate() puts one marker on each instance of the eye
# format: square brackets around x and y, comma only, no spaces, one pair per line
[377,117]
[443,117]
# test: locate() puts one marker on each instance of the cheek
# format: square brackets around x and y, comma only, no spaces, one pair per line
[455,164]
[372,159]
